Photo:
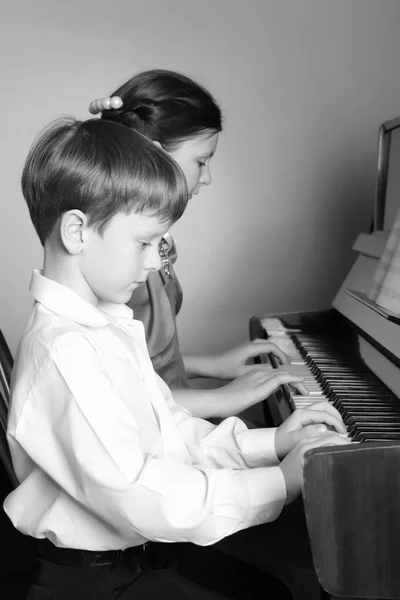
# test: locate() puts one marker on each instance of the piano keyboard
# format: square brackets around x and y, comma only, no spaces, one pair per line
[370,411]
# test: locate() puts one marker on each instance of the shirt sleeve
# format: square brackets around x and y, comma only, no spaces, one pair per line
[94,450]
[229,444]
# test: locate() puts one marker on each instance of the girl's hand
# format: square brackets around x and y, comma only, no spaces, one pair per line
[232,363]
[254,386]
[310,422]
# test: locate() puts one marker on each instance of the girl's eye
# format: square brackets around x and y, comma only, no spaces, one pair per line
[144,245]
[202,164]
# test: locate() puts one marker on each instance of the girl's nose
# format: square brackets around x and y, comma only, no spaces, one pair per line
[206,176]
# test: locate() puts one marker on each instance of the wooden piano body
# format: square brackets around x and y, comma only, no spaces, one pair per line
[352,493]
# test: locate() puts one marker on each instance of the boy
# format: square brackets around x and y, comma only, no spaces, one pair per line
[105,459]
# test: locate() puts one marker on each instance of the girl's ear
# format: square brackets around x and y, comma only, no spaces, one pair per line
[73,225]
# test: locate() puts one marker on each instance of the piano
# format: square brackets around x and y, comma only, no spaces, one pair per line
[349,354]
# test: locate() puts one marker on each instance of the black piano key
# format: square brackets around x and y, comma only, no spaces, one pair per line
[359,396]
[352,425]
[353,393]
[367,403]
[356,432]
[376,410]
[376,437]
[360,401]
[380,437]
[356,419]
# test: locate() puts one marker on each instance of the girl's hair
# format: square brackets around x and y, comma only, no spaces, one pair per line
[166,107]
[100,168]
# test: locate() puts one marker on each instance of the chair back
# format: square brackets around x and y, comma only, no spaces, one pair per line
[5,456]
[6,365]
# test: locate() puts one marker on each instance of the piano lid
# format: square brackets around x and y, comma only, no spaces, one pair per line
[379,329]
[387,201]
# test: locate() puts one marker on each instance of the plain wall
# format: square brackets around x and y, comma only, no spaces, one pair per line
[304,85]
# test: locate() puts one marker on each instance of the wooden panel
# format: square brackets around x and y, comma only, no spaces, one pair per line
[352,502]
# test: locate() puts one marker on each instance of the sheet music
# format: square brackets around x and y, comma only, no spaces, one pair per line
[385,290]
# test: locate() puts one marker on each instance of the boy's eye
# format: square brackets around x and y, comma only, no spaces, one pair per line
[202,164]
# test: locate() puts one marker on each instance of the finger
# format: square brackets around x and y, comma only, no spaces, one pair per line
[263,369]
[317,430]
[285,377]
[331,439]
[327,406]
[278,378]
[308,416]
[263,347]
[301,388]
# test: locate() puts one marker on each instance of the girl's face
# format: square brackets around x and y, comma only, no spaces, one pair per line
[194,156]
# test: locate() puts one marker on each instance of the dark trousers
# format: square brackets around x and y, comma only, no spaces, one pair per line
[279,549]
[220,572]
[93,576]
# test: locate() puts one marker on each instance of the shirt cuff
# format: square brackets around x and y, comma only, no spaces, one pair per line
[265,494]
[258,447]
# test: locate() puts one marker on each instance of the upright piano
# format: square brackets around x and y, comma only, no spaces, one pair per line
[349,354]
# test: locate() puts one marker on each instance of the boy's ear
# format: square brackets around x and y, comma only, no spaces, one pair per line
[72,230]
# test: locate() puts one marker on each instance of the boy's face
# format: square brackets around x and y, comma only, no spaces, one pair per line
[116,263]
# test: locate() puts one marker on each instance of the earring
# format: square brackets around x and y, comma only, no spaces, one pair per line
[164,258]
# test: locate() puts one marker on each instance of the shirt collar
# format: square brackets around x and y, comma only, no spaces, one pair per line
[64,302]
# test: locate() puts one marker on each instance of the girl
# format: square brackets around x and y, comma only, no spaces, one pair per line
[184,119]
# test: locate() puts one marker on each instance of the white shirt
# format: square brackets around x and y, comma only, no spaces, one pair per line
[105,458]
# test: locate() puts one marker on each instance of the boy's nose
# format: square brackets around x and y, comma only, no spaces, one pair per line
[154,260]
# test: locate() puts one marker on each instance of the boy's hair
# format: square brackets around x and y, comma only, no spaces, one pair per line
[100,168]
[166,107]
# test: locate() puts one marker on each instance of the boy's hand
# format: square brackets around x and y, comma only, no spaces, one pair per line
[309,422]
[253,387]
[232,363]
[292,464]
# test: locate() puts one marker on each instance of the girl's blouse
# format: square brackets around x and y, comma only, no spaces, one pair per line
[156,303]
